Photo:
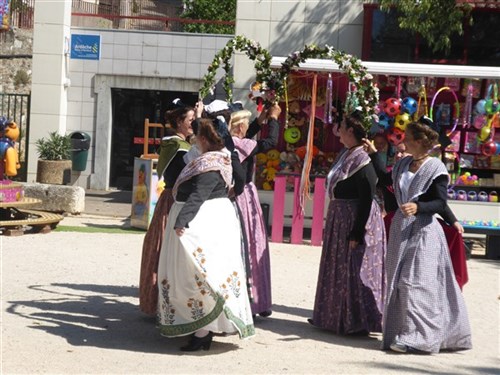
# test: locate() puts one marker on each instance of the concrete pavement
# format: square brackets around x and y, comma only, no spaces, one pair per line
[69,306]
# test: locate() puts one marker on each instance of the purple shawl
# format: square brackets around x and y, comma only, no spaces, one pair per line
[347,163]
[244,146]
[209,161]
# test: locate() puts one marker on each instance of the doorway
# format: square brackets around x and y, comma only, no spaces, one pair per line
[129,109]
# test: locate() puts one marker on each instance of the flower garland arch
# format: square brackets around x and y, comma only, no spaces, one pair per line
[364,96]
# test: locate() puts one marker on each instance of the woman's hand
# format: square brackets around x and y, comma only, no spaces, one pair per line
[409,209]
[274,112]
[179,231]
[198,108]
[458,227]
[368,146]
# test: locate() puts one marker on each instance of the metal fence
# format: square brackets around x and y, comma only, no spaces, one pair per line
[16,107]
[160,15]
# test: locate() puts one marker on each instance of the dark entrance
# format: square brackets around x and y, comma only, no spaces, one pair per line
[130,108]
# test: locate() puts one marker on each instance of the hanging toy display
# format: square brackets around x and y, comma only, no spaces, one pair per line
[328,119]
[422,109]
[467,115]
[456,106]
[489,109]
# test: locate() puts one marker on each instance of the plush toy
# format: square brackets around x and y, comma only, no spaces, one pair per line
[301,152]
[261,158]
[273,158]
[290,162]
[9,133]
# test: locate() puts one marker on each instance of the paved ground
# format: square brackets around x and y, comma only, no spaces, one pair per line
[69,306]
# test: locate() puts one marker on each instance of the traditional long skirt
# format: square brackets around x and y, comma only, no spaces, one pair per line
[351,283]
[424,306]
[148,281]
[201,278]
[257,247]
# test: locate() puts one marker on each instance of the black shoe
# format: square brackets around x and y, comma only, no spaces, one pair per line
[310,321]
[266,313]
[197,343]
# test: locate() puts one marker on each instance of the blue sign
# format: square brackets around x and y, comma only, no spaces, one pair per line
[86,47]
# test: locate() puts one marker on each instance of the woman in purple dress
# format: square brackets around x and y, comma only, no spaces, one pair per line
[257,246]
[350,291]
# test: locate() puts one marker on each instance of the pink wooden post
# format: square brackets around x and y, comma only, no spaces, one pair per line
[318,211]
[297,215]
[278,208]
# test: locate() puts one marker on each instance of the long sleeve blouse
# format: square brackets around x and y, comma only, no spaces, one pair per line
[433,201]
[195,192]
[263,145]
[361,186]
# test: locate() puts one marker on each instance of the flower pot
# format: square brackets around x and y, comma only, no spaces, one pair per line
[57,172]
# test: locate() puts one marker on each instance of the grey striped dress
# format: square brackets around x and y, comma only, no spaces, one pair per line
[424,306]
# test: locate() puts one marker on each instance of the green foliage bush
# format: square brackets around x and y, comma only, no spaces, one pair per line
[55,147]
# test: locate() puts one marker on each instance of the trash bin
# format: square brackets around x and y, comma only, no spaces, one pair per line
[80,144]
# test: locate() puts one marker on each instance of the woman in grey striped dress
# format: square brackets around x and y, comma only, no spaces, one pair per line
[425,310]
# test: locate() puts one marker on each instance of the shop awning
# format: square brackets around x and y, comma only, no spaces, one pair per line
[389,68]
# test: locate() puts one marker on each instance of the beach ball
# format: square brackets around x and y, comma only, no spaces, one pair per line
[402,120]
[392,107]
[384,120]
[292,135]
[480,107]
[395,136]
[409,105]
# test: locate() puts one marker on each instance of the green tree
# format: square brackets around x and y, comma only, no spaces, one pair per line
[435,20]
[214,10]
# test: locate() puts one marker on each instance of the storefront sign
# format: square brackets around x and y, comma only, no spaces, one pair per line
[86,47]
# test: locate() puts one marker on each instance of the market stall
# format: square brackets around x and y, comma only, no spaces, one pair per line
[463,102]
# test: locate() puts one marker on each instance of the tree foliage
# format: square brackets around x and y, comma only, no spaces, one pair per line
[435,20]
[209,10]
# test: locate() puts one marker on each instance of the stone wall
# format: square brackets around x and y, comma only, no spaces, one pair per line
[15,72]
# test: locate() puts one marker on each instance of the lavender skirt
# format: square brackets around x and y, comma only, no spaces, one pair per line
[148,281]
[351,283]
[258,249]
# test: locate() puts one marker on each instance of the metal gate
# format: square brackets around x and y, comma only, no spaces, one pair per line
[16,107]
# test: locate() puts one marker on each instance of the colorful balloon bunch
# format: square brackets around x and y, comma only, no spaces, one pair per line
[487,118]
[468,179]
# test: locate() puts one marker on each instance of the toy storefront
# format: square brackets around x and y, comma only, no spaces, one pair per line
[462,101]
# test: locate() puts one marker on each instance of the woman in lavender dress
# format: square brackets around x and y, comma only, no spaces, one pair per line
[350,291]
[249,204]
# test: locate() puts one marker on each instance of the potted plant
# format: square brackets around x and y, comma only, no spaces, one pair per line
[54,163]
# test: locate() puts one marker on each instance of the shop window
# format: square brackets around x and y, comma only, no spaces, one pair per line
[383,40]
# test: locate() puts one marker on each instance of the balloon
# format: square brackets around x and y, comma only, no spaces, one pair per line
[489,148]
[491,106]
[480,107]
[392,106]
[409,105]
[402,120]
[479,121]
[484,133]
[292,135]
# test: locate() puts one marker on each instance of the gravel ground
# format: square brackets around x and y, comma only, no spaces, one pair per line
[69,306]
